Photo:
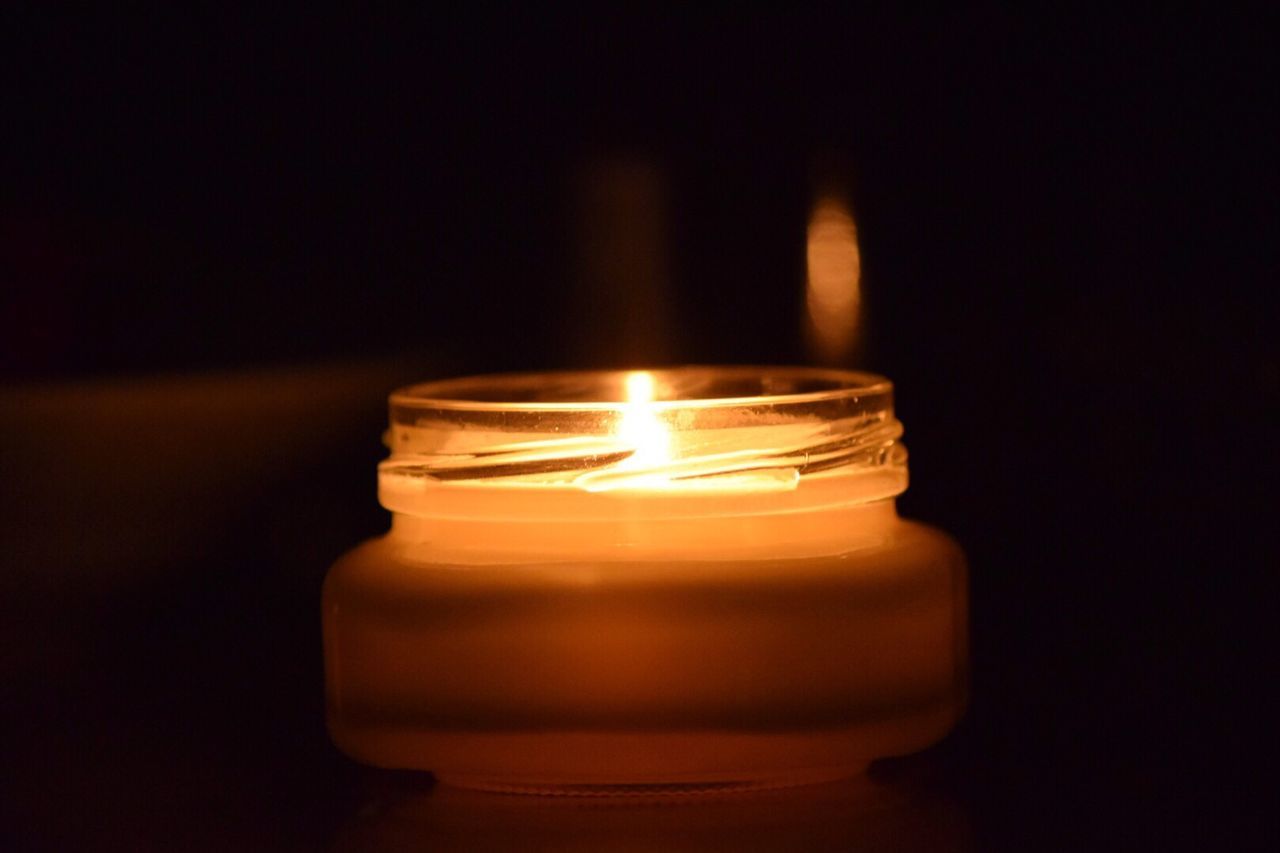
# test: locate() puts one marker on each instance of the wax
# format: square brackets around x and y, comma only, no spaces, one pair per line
[519,635]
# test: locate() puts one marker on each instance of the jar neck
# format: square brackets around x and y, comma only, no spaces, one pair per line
[812,532]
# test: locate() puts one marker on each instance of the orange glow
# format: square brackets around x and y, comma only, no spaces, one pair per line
[640,426]
[833,294]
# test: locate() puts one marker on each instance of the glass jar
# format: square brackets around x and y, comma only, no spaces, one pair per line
[610,582]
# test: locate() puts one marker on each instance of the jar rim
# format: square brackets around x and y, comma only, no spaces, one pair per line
[702,386]
[688,430]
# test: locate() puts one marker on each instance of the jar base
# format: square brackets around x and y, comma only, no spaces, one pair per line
[646,790]
[644,763]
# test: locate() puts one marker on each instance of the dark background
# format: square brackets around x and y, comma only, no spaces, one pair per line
[225,236]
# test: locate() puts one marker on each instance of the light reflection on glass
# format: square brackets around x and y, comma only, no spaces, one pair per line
[834,267]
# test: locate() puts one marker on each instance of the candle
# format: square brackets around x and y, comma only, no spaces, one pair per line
[604,582]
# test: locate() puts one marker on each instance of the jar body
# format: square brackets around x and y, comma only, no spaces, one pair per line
[638,668]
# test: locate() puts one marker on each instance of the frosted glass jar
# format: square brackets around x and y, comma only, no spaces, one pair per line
[707,587]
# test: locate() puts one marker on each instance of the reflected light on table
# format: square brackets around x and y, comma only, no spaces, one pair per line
[854,815]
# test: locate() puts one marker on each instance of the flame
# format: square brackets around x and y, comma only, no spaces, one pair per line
[833,295]
[640,426]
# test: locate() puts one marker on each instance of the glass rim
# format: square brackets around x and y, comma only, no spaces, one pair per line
[675,387]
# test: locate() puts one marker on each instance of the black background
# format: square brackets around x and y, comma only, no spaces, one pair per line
[1066,225]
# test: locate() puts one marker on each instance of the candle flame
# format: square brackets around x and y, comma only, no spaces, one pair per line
[640,426]
[833,295]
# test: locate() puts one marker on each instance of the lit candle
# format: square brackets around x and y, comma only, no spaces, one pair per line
[685,578]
